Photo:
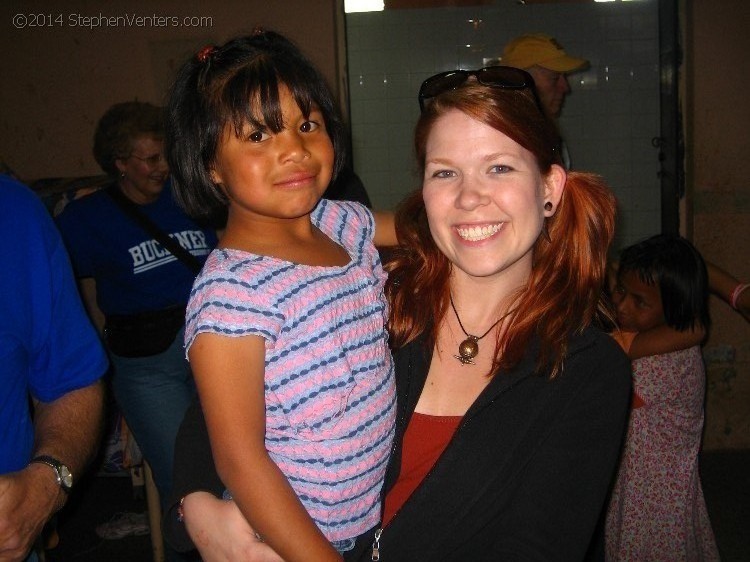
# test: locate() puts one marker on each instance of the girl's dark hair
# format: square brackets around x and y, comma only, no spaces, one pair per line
[120,125]
[219,87]
[672,263]
[564,292]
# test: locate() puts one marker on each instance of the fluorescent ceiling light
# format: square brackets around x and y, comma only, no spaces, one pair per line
[363,6]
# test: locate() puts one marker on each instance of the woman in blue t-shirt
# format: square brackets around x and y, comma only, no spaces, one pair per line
[134,287]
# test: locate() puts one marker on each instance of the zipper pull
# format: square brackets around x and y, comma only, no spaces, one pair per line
[376,546]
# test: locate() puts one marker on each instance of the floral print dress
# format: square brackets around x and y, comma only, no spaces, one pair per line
[657,510]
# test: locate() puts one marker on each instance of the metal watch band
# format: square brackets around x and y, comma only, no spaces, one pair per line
[62,472]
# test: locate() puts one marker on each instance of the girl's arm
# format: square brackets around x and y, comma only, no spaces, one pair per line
[664,339]
[728,288]
[385,229]
[229,373]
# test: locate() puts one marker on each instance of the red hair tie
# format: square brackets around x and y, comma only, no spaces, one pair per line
[205,53]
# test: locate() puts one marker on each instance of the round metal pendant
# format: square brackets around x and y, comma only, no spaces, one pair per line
[468,350]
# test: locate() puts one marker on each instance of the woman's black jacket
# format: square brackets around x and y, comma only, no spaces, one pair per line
[525,477]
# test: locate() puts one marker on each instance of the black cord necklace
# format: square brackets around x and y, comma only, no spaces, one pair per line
[469,348]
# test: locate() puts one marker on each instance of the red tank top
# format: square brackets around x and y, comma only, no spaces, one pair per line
[425,439]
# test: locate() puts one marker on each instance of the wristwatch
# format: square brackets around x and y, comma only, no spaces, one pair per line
[62,472]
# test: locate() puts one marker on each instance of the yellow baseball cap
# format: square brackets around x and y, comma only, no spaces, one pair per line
[538,49]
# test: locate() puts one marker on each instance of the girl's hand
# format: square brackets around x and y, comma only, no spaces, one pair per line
[221,532]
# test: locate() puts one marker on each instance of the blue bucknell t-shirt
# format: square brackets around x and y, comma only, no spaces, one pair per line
[133,272]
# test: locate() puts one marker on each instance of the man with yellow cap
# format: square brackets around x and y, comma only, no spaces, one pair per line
[549,65]
[543,57]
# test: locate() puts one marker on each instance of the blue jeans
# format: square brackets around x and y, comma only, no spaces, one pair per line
[153,394]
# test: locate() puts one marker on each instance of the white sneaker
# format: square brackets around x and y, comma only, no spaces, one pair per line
[124,525]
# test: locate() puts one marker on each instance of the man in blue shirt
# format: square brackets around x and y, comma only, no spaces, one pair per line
[51,363]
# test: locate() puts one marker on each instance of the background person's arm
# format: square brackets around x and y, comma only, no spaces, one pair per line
[664,339]
[385,229]
[728,288]
[67,429]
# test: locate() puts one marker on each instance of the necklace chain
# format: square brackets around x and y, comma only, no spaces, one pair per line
[469,348]
[467,334]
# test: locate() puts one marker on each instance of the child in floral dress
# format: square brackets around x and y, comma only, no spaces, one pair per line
[657,510]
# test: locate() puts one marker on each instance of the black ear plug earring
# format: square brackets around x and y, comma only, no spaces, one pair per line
[548,206]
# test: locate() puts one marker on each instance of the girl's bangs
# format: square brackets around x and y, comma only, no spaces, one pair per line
[251,98]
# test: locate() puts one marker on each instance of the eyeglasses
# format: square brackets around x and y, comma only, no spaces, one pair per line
[151,161]
[495,76]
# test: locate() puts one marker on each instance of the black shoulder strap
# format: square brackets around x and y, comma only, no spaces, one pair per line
[132,210]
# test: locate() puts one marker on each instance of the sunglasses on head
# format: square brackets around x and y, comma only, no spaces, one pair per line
[494,76]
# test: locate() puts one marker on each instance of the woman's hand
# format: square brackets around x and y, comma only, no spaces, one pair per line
[221,533]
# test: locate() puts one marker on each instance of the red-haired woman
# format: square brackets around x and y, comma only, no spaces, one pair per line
[511,400]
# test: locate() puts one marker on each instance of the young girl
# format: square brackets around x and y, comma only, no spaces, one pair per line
[657,510]
[286,322]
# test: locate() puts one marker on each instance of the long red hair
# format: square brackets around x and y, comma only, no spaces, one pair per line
[564,293]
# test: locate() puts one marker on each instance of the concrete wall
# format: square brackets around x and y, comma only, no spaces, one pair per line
[62,66]
[717,117]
